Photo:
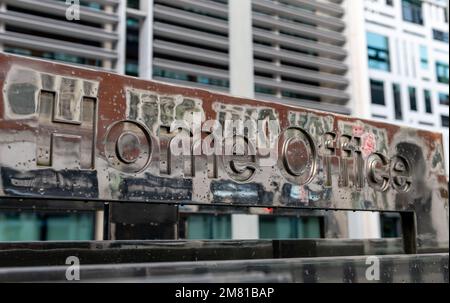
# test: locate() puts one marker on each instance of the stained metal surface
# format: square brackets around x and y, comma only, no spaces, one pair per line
[22,254]
[430,268]
[71,133]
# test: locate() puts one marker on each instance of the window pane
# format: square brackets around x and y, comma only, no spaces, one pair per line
[209,227]
[444,120]
[19,227]
[442,72]
[377,92]
[132,50]
[390,225]
[423,57]
[397,102]
[164,73]
[427,98]
[271,227]
[412,98]
[443,99]
[378,51]
[412,11]
[52,56]
[44,226]
[71,227]
[440,36]
[133,4]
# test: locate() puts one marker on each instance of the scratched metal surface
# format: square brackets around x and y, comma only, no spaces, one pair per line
[23,254]
[429,268]
[71,133]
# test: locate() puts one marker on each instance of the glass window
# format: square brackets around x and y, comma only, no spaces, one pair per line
[412,98]
[90,4]
[390,225]
[423,57]
[69,227]
[390,2]
[132,68]
[264,90]
[377,92]
[443,99]
[19,227]
[205,226]
[271,227]
[412,11]
[444,120]
[164,73]
[132,50]
[442,72]
[95,6]
[17,51]
[397,101]
[31,226]
[133,4]
[440,36]
[427,99]
[378,51]
[52,56]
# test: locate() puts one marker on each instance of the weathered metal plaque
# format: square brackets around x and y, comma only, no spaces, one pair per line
[72,133]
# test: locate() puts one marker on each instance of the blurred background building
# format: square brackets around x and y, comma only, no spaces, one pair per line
[407,63]
[377,59]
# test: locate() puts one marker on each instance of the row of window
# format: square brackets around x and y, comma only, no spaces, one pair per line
[379,57]
[412,11]
[28,226]
[49,55]
[31,226]
[201,226]
[378,97]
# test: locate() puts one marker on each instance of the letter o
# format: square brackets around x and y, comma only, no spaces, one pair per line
[128,146]
[298,161]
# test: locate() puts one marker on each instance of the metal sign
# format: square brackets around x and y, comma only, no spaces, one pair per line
[73,133]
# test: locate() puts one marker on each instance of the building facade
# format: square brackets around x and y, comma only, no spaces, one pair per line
[398,63]
[295,50]
[406,49]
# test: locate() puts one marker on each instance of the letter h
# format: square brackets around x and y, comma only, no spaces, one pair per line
[67,124]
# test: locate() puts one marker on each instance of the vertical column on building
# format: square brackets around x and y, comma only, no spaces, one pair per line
[361,225]
[2,25]
[122,35]
[241,84]
[277,60]
[241,48]
[357,60]
[107,63]
[99,225]
[146,41]
[119,68]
